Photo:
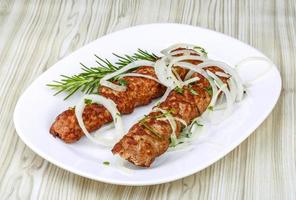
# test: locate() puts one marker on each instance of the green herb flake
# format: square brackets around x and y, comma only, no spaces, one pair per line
[172,110]
[201,50]
[122,82]
[192,91]
[87,101]
[142,122]
[211,108]
[106,163]
[179,90]
[209,90]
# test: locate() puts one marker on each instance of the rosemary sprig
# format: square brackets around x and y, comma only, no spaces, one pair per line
[139,55]
[88,80]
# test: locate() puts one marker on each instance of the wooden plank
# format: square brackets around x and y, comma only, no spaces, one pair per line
[36,34]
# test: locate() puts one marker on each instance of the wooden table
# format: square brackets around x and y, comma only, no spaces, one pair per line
[36,34]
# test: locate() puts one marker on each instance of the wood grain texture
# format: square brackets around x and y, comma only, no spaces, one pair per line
[36,34]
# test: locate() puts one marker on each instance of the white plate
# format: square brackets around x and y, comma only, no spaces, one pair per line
[37,107]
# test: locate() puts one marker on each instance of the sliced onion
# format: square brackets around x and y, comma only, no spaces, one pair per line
[252,58]
[216,95]
[172,122]
[164,74]
[184,46]
[104,128]
[176,74]
[175,82]
[186,57]
[222,86]
[119,88]
[222,74]
[195,68]
[182,121]
[189,73]
[164,70]
[249,59]
[219,84]
[225,67]
[183,140]
[232,87]
[182,146]
[194,79]
[139,75]
[104,81]
[111,107]
[183,51]
[229,70]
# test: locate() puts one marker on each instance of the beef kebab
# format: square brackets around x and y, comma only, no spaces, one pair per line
[151,136]
[140,91]
[190,84]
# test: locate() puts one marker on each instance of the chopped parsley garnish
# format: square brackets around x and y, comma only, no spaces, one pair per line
[192,91]
[106,163]
[87,101]
[211,108]
[179,90]
[122,82]
[166,113]
[209,90]
[172,110]
[143,123]
[200,49]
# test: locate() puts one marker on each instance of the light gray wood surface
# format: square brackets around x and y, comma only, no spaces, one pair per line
[36,34]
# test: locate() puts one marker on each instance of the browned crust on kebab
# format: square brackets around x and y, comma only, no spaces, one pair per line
[140,146]
[66,125]
[140,91]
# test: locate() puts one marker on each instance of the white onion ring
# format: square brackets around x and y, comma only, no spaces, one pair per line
[168,50]
[194,68]
[182,121]
[194,79]
[229,70]
[104,81]
[111,107]
[165,73]
[222,74]
[186,52]
[172,122]
[229,100]
[254,58]
[139,75]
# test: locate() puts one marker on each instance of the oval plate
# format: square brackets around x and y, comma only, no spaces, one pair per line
[37,107]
